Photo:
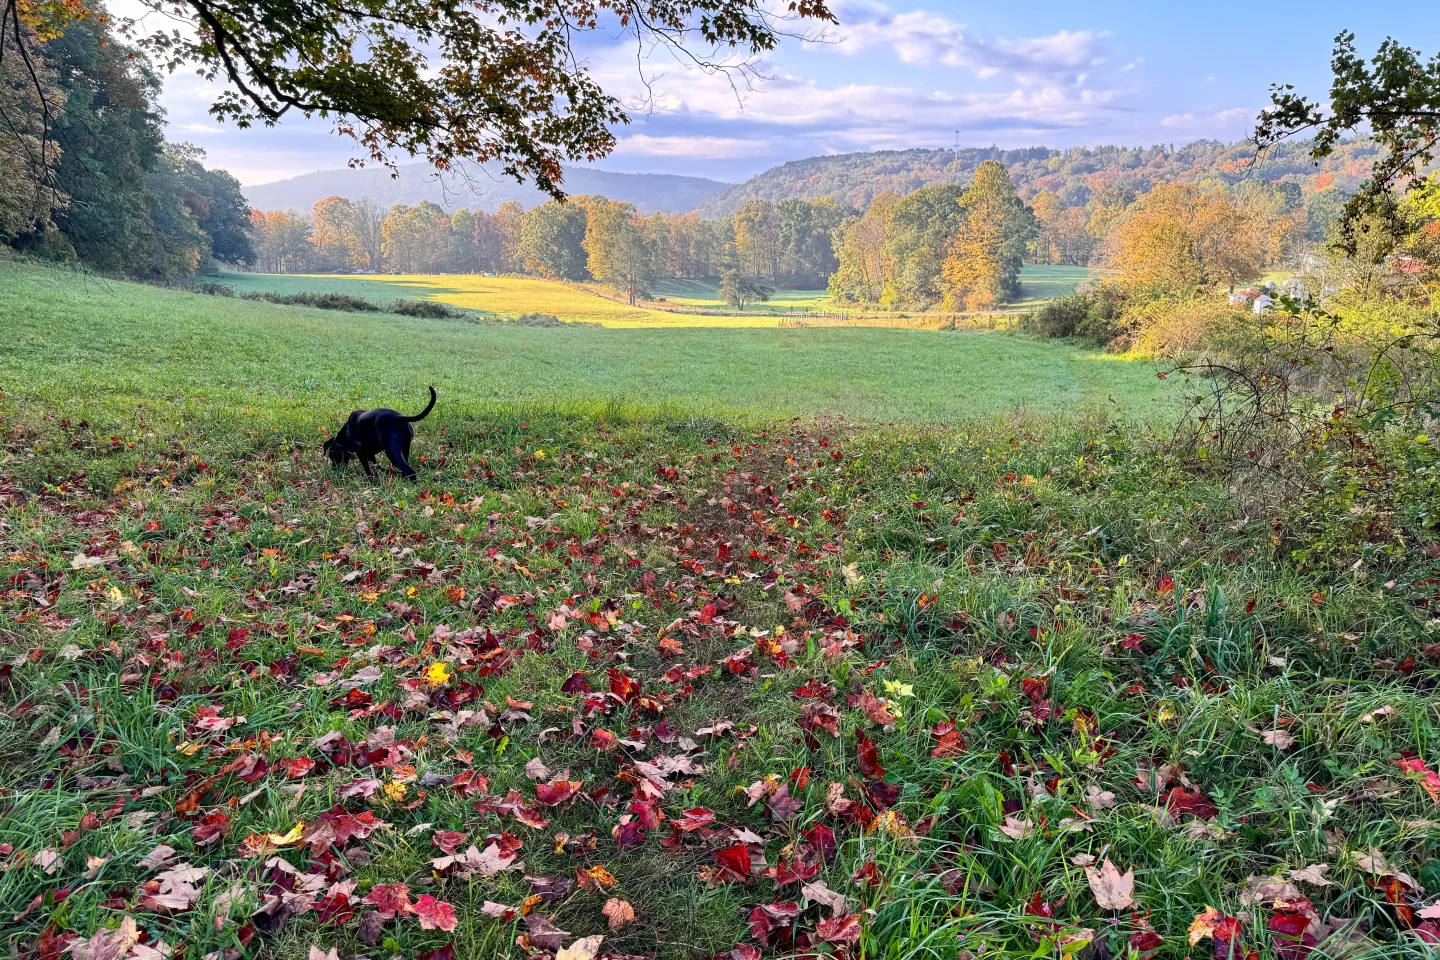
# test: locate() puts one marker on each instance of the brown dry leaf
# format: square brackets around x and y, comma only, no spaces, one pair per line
[1279,739]
[1017,829]
[1374,715]
[107,943]
[1313,875]
[1267,890]
[1099,799]
[159,857]
[536,770]
[818,892]
[543,933]
[317,954]
[1374,863]
[49,860]
[619,913]
[586,948]
[1112,890]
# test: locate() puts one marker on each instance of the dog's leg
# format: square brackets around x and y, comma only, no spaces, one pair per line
[395,450]
[365,462]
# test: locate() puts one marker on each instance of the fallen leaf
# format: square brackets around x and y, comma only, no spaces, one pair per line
[619,913]
[1313,875]
[1017,829]
[157,858]
[1112,890]
[107,943]
[818,892]
[434,914]
[1267,890]
[543,933]
[586,948]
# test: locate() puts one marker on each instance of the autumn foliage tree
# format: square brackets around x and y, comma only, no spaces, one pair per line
[1180,237]
[982,263]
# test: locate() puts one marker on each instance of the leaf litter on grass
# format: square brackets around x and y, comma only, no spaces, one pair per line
[642,696]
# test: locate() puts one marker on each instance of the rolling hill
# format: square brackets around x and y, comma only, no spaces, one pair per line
[1075,174]
[483,190]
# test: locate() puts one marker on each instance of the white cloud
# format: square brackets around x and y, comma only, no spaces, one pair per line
[642,144]
[923,37]
[1212,121]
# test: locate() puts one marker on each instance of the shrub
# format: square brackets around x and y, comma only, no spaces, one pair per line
[1175,328]
[322,301]
[1326,432]
[1095,316]
[539,320]
[429,309]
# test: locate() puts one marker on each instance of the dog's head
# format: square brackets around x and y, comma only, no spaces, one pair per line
[336,450]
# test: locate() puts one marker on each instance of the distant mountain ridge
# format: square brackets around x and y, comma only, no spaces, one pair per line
[854,178]
[1075,174]
[649,192]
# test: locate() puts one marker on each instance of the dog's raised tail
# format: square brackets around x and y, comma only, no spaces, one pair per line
[428,407]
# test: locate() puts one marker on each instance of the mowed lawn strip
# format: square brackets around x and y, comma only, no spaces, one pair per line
[64,332]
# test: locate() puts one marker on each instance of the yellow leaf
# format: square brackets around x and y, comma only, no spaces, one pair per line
[395,792]
[292,837]
[189,748]
[437,673]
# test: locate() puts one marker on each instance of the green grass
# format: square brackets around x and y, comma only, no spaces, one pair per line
[706,293]
[66,333]
[186,590]
[1039,283]
[495,296]
[513,296]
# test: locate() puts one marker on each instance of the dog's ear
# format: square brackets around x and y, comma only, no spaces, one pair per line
[325,447]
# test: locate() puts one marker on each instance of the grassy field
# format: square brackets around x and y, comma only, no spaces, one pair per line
[706,293]
[513,296]
[1039,283]
[496,296]
[609,682]
[66,332]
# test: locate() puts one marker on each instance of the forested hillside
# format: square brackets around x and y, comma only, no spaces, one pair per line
[1076,174]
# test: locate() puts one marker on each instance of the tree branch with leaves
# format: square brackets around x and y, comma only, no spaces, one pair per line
[1394,96]
[499,81]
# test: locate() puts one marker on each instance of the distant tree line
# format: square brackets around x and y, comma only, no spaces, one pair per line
[948,247]
[585,239]
[85,171]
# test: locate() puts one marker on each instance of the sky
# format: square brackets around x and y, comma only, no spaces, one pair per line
[900,74]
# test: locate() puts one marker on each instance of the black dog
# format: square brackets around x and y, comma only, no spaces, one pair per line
[369,433]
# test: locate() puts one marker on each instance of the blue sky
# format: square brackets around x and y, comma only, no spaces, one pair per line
[899,74]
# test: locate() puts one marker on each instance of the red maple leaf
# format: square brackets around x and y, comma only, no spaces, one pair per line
[434,914]
[390,899]
[949,741]
[556,791]
[843,929]
[694,819]
[867,755]
[734,862]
